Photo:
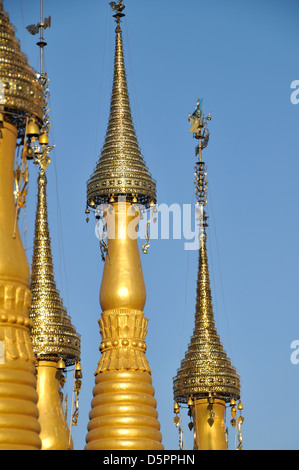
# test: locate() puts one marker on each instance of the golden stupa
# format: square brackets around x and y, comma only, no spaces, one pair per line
[206,380]
[21,105]
[123,414]
[37,339]
[55,342]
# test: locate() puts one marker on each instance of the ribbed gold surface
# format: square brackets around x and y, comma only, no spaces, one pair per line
[206,368]
[121,169]
[123,415]
[19,426]
[52,334]
[22,90]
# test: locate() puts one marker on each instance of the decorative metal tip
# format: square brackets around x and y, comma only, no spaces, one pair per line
[44,161]
[118,7]
[34,28]
[199,126]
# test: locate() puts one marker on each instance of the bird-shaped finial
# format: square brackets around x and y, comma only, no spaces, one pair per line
[118,7]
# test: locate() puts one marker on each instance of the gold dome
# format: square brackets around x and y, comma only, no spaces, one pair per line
[22,93]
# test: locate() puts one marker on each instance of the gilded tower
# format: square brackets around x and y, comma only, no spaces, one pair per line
[55,342]
[206,381]
[123,414]
[21,105]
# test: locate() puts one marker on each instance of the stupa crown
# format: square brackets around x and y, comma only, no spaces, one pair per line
[121,169]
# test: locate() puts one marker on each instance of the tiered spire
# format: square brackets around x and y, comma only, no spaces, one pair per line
[123,414]
[52,335]
[206,369]
[121,170]
[55,342]
[206,377]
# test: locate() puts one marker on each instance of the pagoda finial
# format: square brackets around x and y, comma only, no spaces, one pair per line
[121,169]
[39,28]
[52,334]
[118,7]
[201,133]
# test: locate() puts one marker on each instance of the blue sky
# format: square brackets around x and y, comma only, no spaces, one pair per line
[241,57]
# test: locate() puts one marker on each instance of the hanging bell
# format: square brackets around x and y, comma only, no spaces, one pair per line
[190,402]
[32,128]
[78,371]
[43,139]
[176,408]
[240,406]
[61,364]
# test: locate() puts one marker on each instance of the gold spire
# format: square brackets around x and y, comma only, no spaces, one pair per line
[55,342]
[206,379]
[52,334]
[121,169]
[123,414]
[205,370]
